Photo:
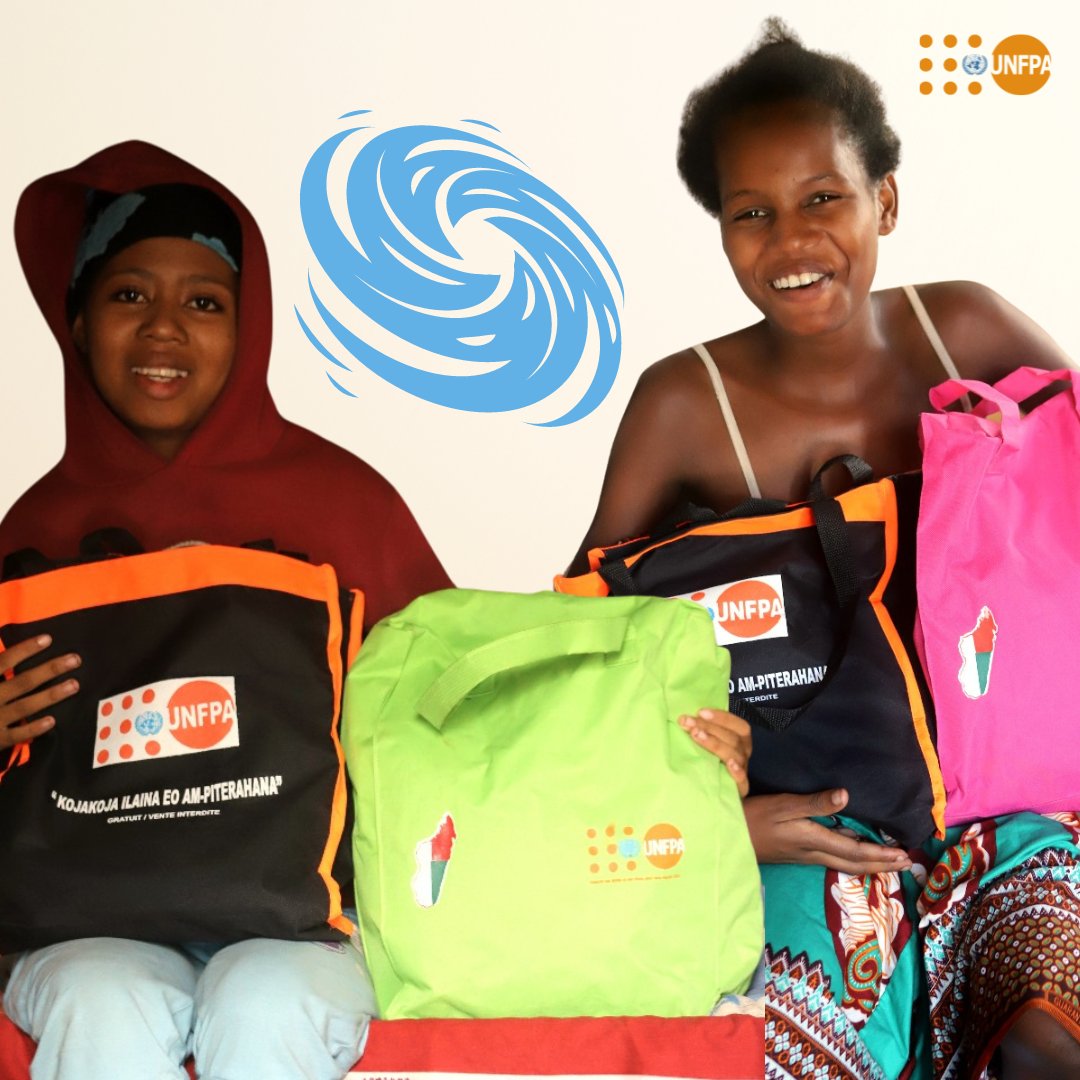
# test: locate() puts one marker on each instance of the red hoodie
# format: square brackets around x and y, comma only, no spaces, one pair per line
[245,473]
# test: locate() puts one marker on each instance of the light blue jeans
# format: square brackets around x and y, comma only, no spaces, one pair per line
[113,1009]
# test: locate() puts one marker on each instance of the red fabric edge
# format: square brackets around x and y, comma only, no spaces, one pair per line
[709,1048]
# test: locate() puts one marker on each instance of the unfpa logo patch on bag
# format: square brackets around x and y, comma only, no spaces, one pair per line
[615,852]
[748,610]
[167,718]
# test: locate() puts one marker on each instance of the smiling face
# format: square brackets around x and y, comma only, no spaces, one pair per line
[158,329]
[799,216]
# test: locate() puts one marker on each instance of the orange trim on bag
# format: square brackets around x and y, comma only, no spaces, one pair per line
[866,502]
[596,555]
[334,917]
[20,755]
[859,504]
[356,627]
[345,925]
[591,584]
[20,752]
[862,503]
[903,660]
[160,573]
[9,673]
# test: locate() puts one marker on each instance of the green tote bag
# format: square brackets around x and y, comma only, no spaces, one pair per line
[535,835]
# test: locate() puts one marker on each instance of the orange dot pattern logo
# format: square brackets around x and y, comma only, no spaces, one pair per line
[616,853]
[167,718]
[1019,64]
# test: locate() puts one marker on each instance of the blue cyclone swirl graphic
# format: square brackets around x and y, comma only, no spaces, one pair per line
[407,190]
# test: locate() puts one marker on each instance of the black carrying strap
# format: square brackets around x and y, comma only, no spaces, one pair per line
[25,563]
[831,526]
[105,543]
[613,569]
[859,471]
[100,544]
[108,543]
[832,531]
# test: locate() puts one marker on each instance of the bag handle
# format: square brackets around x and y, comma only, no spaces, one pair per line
[832,531]
[106,543]
[99,544]
[858,470]
[613,568]
[571,637]
[952,390]
[1025,382]
[829,521]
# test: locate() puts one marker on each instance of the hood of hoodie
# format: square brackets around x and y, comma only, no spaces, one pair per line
[244,473]
[243,423]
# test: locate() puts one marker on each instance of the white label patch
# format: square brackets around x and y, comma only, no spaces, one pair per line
[748,610]
[167,718]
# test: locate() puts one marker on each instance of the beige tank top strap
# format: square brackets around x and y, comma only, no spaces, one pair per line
[930,330]
[729,421]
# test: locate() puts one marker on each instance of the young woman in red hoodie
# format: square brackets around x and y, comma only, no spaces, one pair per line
[154,280]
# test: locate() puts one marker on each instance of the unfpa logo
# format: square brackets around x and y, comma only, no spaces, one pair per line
[165,719]
[1018,64]
[615,854]
[664,846]
[747,610]
[1021,64]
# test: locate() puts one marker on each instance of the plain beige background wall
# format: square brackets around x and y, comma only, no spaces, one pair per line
[588,93]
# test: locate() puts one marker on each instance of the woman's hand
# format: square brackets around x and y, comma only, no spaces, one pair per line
[725,735]
[17,701]
[782,832]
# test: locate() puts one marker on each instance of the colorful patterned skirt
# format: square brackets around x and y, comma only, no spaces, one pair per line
[919,974]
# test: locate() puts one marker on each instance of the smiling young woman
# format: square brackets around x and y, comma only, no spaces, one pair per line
[791,151]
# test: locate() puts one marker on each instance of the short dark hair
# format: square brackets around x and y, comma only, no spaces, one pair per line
[780,68]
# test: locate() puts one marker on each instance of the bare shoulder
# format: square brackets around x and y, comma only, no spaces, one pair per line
[677,395]
[675,381]
[987,336]
[671,445]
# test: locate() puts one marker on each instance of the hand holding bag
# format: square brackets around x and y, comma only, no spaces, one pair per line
[535,834]
[193,788]
[999,592]
[815,603]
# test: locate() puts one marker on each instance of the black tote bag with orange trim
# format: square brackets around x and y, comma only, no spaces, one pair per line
[194,788]
[815,603]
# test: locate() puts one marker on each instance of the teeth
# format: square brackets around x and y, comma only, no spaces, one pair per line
[160,374]
[795,281]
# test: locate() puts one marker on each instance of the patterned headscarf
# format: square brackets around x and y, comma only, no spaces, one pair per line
[115,222]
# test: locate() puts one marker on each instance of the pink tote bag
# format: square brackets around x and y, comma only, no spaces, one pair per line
[999,593]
